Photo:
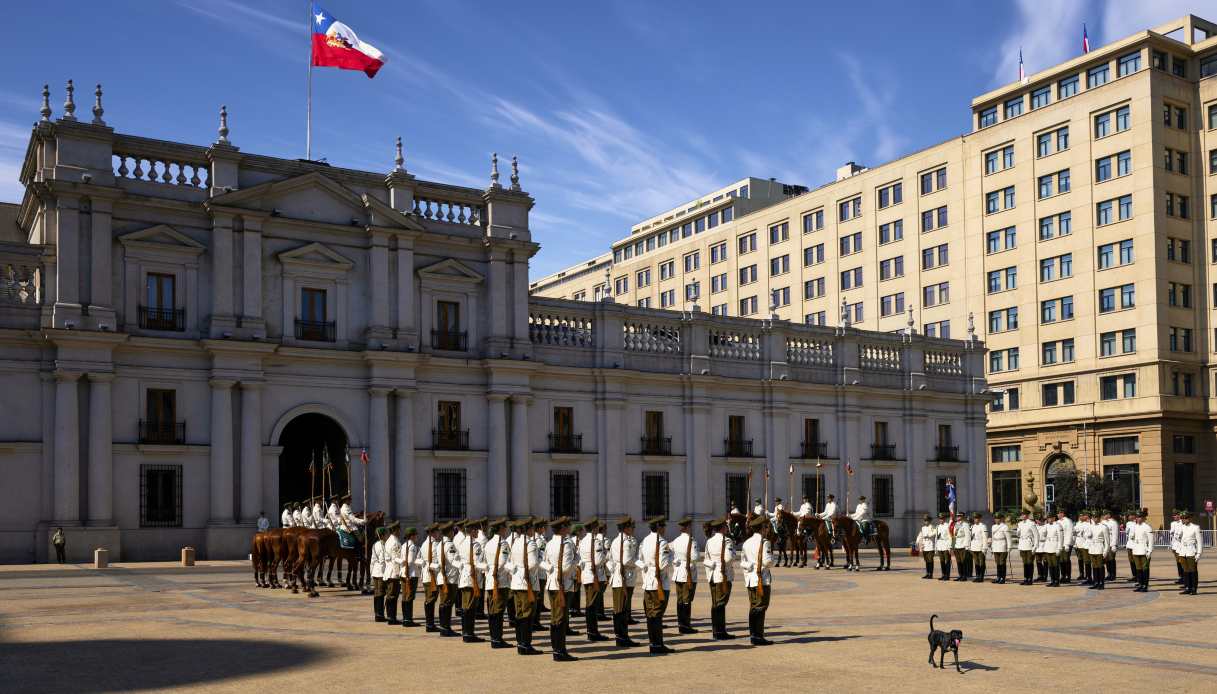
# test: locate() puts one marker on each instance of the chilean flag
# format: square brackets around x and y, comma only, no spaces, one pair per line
[336,45]
[951,496]
[1085,39]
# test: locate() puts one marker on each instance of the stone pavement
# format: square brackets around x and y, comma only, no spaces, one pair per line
[156,626]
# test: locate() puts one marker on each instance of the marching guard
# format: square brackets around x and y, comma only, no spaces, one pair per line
[409,577]
[719,561]
[756,563]
[498,580]
[978,543]
[591,563]
[472,564]
[1191,545]
[525,587]
[1141,544]
[925,544]
[942,546]
[392,572]
[560,563]
[1001,546]
[685,556]
[622,566]
[656,564]
[376,566]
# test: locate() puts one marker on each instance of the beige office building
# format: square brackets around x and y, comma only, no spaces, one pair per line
[1075,226]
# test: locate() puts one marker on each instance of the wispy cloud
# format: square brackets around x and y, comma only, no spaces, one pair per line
[1047,33]
[1125,17]
[14,139]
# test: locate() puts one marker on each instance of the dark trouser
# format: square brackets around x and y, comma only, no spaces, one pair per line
[929,563]
[496,605]
[961,558]
[944,563]
[625,604]
[378,598]
[1066,567]
[469,607]
[978,561]
[59,553]
[1054,568]
[593,595]
[684,604]
[1096,569]
[1140,570]
[409,587]
[392,586]
[1028,558]
[720,595]
[1190,576]
[758,603]
[446,600]
[1110,561]
[654,607]
[1132,565]
[1041,566]
[999,564]
[430,598]
[1083,564]
[523,607]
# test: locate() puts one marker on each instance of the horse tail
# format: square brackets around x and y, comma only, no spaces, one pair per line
[932,618]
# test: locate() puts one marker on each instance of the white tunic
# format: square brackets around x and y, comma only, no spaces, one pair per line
[392,557]
[685,556]
[1081,534]
[285,520]
[963,535]
[334,518]
[1052,538]
[377,564]
[830,510]
[297,519]
[1176,528]
[498,568]
[757,554]
[1067,536]
[560,553]
[592,552]
[925,538]
[409,559]
[1041,536]
[430,555]
[1026,536]
[942,537]
[623,561]
[1100,542]
[524,550]
[719,559]
[805,510]
[351,519]
[861,512]
[318,518]
[656,568]
[1191,543]
[979,539]
[469,572]
[1001,538]
[1140,539]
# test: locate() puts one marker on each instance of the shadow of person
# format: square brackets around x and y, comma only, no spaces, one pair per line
[816,639]
[970,665]
[113,665]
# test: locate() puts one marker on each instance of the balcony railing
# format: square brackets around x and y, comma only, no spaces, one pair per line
[152,318]
[318,331]
[815,449]
[946,454]
[883,451]
[173,433]
[566,443]
[657,445]
[450,439]
[737,448]
[451,340]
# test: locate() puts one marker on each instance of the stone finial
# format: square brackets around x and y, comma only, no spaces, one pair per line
[971,327]
[845,322]
[911,322]
[223,130]
[608,281]
[97,109]
[398,159]
[69,104]
[515,172]
[45,111]
[494,170]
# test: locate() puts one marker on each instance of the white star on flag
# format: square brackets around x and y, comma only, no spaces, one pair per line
[320,17]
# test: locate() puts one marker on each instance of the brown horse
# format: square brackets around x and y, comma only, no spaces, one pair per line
[790,545]
[850,534]
[283,553]
[815,528]
[312,546]
[261,554]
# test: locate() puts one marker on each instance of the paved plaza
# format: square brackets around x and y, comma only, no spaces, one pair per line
[159,626]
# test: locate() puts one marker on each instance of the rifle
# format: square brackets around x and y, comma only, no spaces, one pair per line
[527,572]
[595,574]
[473,572]
[561,599]
[689,562]
[494,571]
[658,573]
[443,591]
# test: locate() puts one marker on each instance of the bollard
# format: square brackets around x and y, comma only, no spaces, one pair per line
[187,556]
[101,558]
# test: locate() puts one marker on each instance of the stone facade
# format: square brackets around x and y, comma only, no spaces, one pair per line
[184,329]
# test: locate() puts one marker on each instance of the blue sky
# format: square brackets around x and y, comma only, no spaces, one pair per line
[617,110]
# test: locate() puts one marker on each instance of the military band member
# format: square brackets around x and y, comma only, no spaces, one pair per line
[1141,544]
[655,560]
[1100,542]
[561,564]
[622,564]
[925,543]
[942,546]
[1052,551]
[1067,539]
[1191,545]
[409,576]
[1176,526]
[392,572]
[497,580]
[1001,545]
[376,566]
[471,566]
[757,559]
[1081,546]
[525,588]
[719,561]
[1027,536]
[592,555]
[285,519]
[685,557]
[978,543]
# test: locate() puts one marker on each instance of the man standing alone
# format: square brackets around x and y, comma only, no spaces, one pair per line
[60,543]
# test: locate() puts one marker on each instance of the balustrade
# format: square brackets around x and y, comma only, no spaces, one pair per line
[734,344]
[163,170]
[559,330]
[450,211]
[654,338]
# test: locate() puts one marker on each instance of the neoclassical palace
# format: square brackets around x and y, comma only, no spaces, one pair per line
[193,335]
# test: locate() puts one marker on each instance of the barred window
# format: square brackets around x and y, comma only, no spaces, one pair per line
[883,494]
[737,491]
[654,494]
[160,496]
[449,499]
[564,493]
[815,487]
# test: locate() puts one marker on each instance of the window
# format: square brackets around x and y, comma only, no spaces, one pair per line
[1040,97]
[1122,445]
[746,243]
[1057,394]
[1003,360]
[712,220]
[312,305]
[781,232]
[644,302]
[999,159]
[1001,280]
[1003,319]
[988,117]
[815,487]
[1127,479]
[692,261]
[747,275]
[1067,87]
[747,306]
[813,255]
[851,243]
[1056,225]
[1116,387]
[891,195]
[718,283]
[813,221]
[854,310]
[1126,339]
[934,219]
[1001,240]
[667,270]
[1185,481]
[1180,339]
[1114,165]
[1102,125]
[1053,310]
[892,304]
[1097,76]
[1004,400]
[1174,160]
[1182,384]
[1123,120]
[1179,295]
[1128,64]
[161,425]
[933,180]
[692,291]
[882,495]
[940,328]
[1006,454]
[1047,187]
[564,493]
[940,486]
[892,231]
[851,279]
[1013,107]
[1007,490]
[737,491]
[849,209]
[621,285]
[667,298]
[780,297]
[779,265]
[1056,268]
[1179,250]
[998,200]
[891,268]
[936,256]
[160,496]
[643,278]
[718,310]
[699,225]
[816,318]
[1185,444]
[1180,119]
[1110,211]
[1057,352]
[654,494]
[1176,205]
[813,288]
[935,294]
[448,486]
[718,252]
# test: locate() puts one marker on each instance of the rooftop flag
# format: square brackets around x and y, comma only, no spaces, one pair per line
[1022,75]
[1085,39]
[336,45]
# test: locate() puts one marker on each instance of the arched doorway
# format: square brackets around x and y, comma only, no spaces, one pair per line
[311,437]
[1056,466]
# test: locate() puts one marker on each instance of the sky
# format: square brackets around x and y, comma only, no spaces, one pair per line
[617,110]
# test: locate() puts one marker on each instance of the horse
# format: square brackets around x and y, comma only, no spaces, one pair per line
[261,553]
[312,546]
[789,540]
[815,528]
[850,534]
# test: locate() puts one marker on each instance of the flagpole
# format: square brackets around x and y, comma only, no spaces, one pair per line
[308,137]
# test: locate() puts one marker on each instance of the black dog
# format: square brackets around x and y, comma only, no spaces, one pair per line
[946,641]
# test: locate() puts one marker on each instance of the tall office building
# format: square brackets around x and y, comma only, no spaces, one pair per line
[1075,226]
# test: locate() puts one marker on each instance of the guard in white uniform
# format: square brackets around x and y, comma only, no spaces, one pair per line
[655,560]
[1113,534]
[297,517]
[978,542]
[497,582]
[472,566]
[829,512]
[1081,546]
[525,587]
[1041,557]
[392,571]
[1067,538]
[593,551]
[409,576]
[318,514]
[963,543]
[1191,545]
[1001,545]
[1141,543]
[622,565]
[285,519]
[1100,542]
[1027,538]
[1175,527]
[925,544]
[561,565]
[376,566]
[1052,550]
[861,516]
[942,546]
[333,518]
[685,557]
[756,563]
[349,519]
[806,509]
[719,561]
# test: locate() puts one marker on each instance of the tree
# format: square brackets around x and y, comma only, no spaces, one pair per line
[1073,492]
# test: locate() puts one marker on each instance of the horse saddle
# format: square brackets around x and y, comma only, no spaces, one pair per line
[347,540]
[867,528]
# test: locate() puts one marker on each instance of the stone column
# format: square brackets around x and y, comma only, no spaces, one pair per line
[519,323]
[611,445]
[378,453]
[251,264]
[101,291]
[496,470]
[222,280]
[407,324]
[520,502]
[220,470]
[251,451]
[67,261]
[404,485]
[379,280]
[67,449]
[101,451]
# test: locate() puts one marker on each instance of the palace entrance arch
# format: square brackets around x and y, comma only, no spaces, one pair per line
[311,437]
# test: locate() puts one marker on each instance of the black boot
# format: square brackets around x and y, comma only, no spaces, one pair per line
[756,622]
[407,614]
[622,632]
[557,640]
[429,616]
[1195,582]
[468,618]
[720,628]
[391,609]
[495,623]
[1054,573]
[445,622]
[378,608]
[524,638]
[684,617]
[655,631]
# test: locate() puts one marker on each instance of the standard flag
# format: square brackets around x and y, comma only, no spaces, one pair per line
[1022,75]
[1085,39]
[363,456]
[951,496]
[336,45]
[849,469]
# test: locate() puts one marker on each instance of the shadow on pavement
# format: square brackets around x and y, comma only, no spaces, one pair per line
[135,664]
[970,665]
[740,643]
